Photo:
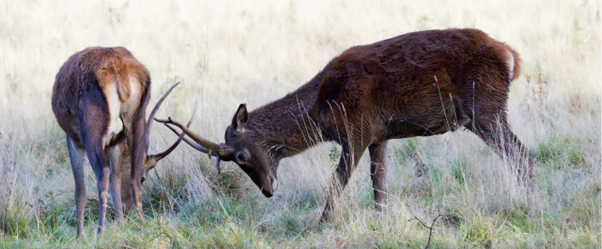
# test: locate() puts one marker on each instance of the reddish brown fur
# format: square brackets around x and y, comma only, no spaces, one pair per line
[82,101]
[417,84]
[107,65]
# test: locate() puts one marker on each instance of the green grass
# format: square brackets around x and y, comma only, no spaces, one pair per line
[227,53]
[246,220]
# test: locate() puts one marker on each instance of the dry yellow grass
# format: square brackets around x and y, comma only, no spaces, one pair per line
[256,51]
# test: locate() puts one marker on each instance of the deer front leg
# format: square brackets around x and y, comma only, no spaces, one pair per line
[101,169]
[349,159]
[378,172]
[76,154]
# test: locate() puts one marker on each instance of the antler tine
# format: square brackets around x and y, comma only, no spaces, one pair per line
[174,145]
[212,148]
[197,147]
[149,122]
[187,140]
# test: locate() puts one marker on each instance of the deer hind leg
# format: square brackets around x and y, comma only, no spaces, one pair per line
[115,180]
[76,156]
[93,123]
[378,172]
[95,151]
[496,133]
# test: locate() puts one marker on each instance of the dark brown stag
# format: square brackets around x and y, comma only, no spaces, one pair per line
[99,99]
[417,84]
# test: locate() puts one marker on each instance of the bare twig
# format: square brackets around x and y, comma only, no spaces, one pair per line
[429,227]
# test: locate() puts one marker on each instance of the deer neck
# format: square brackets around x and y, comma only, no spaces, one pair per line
[285,126]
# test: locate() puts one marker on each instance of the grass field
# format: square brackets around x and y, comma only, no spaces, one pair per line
[256,51]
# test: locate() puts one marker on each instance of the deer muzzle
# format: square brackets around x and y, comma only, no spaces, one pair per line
[269,188]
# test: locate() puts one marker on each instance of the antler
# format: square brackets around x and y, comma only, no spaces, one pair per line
[197,147]
[150,119]
[163,154]
[221,151]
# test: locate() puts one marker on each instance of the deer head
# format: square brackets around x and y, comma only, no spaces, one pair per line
[240,147]
[150,161]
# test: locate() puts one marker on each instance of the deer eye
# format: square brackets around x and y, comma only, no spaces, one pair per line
[242,157]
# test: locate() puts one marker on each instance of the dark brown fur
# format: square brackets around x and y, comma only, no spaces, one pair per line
[417,84]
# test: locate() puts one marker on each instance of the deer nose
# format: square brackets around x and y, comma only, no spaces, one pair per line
[273,186]
[266,193]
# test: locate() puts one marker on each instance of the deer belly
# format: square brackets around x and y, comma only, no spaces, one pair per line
[397,129]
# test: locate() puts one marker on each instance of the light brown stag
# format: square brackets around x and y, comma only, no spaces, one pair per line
[99,99]
[418,84]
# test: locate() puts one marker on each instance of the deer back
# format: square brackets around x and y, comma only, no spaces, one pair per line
[416,84]
[110,78]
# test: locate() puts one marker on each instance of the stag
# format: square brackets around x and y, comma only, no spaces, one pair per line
[417,84]
[99,99]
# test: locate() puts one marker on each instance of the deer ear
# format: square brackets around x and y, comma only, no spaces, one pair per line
[239,121]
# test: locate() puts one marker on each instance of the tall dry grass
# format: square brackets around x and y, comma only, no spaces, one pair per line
[256,51]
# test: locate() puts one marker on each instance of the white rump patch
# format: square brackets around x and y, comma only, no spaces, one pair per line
[116,108]
[115,123]
[510,64]
[134,88]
